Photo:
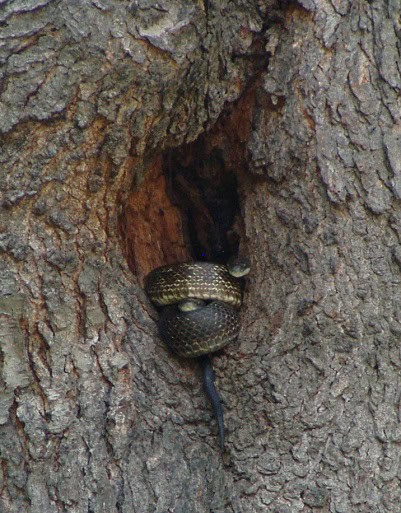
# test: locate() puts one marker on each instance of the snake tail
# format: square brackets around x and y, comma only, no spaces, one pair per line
[208,381]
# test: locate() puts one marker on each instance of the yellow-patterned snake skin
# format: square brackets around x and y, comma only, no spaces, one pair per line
[207,328]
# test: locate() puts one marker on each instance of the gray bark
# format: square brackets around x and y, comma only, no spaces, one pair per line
[95,414]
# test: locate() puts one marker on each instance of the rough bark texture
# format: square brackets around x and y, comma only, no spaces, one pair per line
[95,98]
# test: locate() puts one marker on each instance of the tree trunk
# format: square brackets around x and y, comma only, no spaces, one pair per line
[139,133]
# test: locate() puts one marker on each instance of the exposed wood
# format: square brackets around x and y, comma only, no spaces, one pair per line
[152,226]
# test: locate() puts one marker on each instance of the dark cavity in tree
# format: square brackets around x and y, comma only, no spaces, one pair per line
[205,191]
[187,206]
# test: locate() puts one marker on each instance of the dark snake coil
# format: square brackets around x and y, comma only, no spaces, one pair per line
[206,329]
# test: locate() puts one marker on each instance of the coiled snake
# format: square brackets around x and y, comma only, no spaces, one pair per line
[190,326]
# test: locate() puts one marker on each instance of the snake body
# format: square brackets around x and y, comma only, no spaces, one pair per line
[205,329]
[203,280]
[201,331]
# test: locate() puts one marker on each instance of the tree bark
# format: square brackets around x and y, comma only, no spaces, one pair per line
[100,103]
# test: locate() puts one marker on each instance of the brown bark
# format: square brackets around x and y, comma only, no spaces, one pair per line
[121,122]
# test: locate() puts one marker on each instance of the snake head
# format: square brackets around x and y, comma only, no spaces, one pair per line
[190,304]
[239,266]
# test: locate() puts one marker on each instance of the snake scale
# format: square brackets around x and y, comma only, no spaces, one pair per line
[199,315]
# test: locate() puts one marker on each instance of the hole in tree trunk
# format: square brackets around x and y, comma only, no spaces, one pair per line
[187,207]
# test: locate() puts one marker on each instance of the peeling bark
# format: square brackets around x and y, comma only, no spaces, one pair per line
[99,103]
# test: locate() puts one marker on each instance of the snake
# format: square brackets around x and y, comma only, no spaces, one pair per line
[199,304]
